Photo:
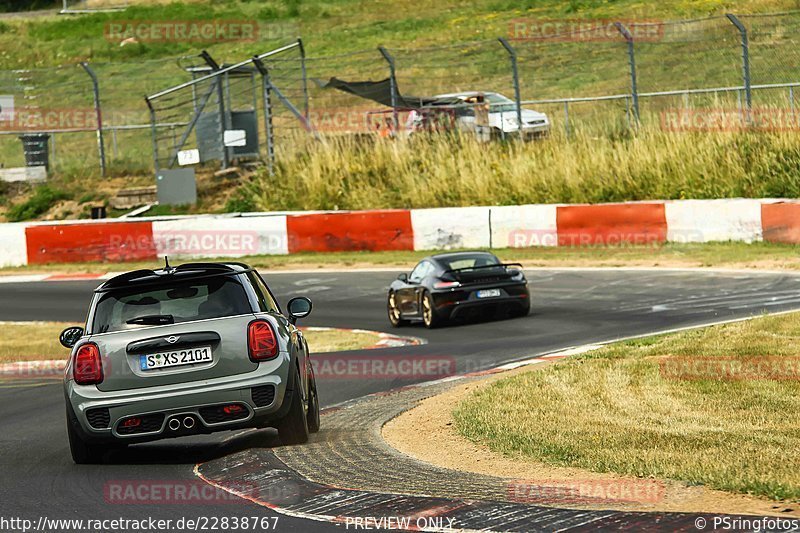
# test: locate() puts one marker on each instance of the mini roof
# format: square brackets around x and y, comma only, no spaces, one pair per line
[186,271]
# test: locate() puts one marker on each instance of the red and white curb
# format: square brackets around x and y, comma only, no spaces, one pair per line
[516,226]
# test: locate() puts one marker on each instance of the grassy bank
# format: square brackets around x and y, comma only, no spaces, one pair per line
[458,171]
[722,255]
[38,341]
[702,406]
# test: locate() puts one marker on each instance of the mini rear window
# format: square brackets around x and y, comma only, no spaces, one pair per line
[177,302]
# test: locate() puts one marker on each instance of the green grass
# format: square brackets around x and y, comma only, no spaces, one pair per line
[724,255]
[345,175]
[42,199]
[615,410]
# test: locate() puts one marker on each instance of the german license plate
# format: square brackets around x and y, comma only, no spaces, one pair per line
[489,293]
[186,356]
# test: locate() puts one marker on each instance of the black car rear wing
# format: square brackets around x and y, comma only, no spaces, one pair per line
[465,269]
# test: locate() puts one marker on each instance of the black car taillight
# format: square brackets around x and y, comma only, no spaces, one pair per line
[262,344]
[88,368]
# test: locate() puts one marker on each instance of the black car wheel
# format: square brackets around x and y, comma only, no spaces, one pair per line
[430,317]
[394,311]
[293,428]
[313,404]
[82,452]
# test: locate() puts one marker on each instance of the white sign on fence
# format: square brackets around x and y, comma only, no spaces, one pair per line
[189,157]
[6,108]
[235,138]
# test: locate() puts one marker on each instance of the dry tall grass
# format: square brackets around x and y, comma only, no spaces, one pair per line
[445,170]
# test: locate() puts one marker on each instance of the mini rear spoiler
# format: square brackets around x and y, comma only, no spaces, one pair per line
[504,265]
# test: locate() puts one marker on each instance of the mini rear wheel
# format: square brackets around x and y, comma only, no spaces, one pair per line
[83,453]
[293,428]
[313,404]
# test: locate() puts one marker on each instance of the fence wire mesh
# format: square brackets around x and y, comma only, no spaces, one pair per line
[581,81]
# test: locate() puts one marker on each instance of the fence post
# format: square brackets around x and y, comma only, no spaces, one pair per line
[515,73]
[153,133]
[393,84]
[745,62]
[305,77]
[632,62]
[221,97]
[98,111]
[268,132]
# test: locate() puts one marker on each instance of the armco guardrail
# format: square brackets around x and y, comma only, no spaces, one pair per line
[190,237]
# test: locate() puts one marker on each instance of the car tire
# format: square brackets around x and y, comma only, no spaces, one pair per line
[293,427]
[522,311]
[430,317]
[313,404]
[82,452]
[393,311]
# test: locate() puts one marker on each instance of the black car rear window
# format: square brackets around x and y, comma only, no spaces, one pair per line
[468,261]
[172,303]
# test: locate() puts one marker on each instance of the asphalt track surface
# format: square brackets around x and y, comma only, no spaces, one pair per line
[570,307]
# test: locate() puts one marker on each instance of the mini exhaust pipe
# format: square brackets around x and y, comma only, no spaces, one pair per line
[188,422]
[174,424]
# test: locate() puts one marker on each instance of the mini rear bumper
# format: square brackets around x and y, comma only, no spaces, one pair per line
[99,416]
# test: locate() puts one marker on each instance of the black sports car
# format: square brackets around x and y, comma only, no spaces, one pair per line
[446,286]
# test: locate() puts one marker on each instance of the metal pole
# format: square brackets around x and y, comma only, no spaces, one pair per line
[393,84]
[566,118]
[268,131]
[221,99]
[153,132]
[632,62]
[96,89]
[745,62]
[515,73]
[305,77]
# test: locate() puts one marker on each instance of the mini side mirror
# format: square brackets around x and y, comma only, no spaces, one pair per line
[403,277]
[70,336]
[299,308]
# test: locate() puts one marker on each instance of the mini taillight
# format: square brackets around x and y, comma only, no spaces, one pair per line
[88,368]
[261,341]
[445,284]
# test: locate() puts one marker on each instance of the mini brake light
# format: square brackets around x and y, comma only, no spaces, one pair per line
[232,409]
[132,422]
[445,284]
[88,368]
[261,341]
